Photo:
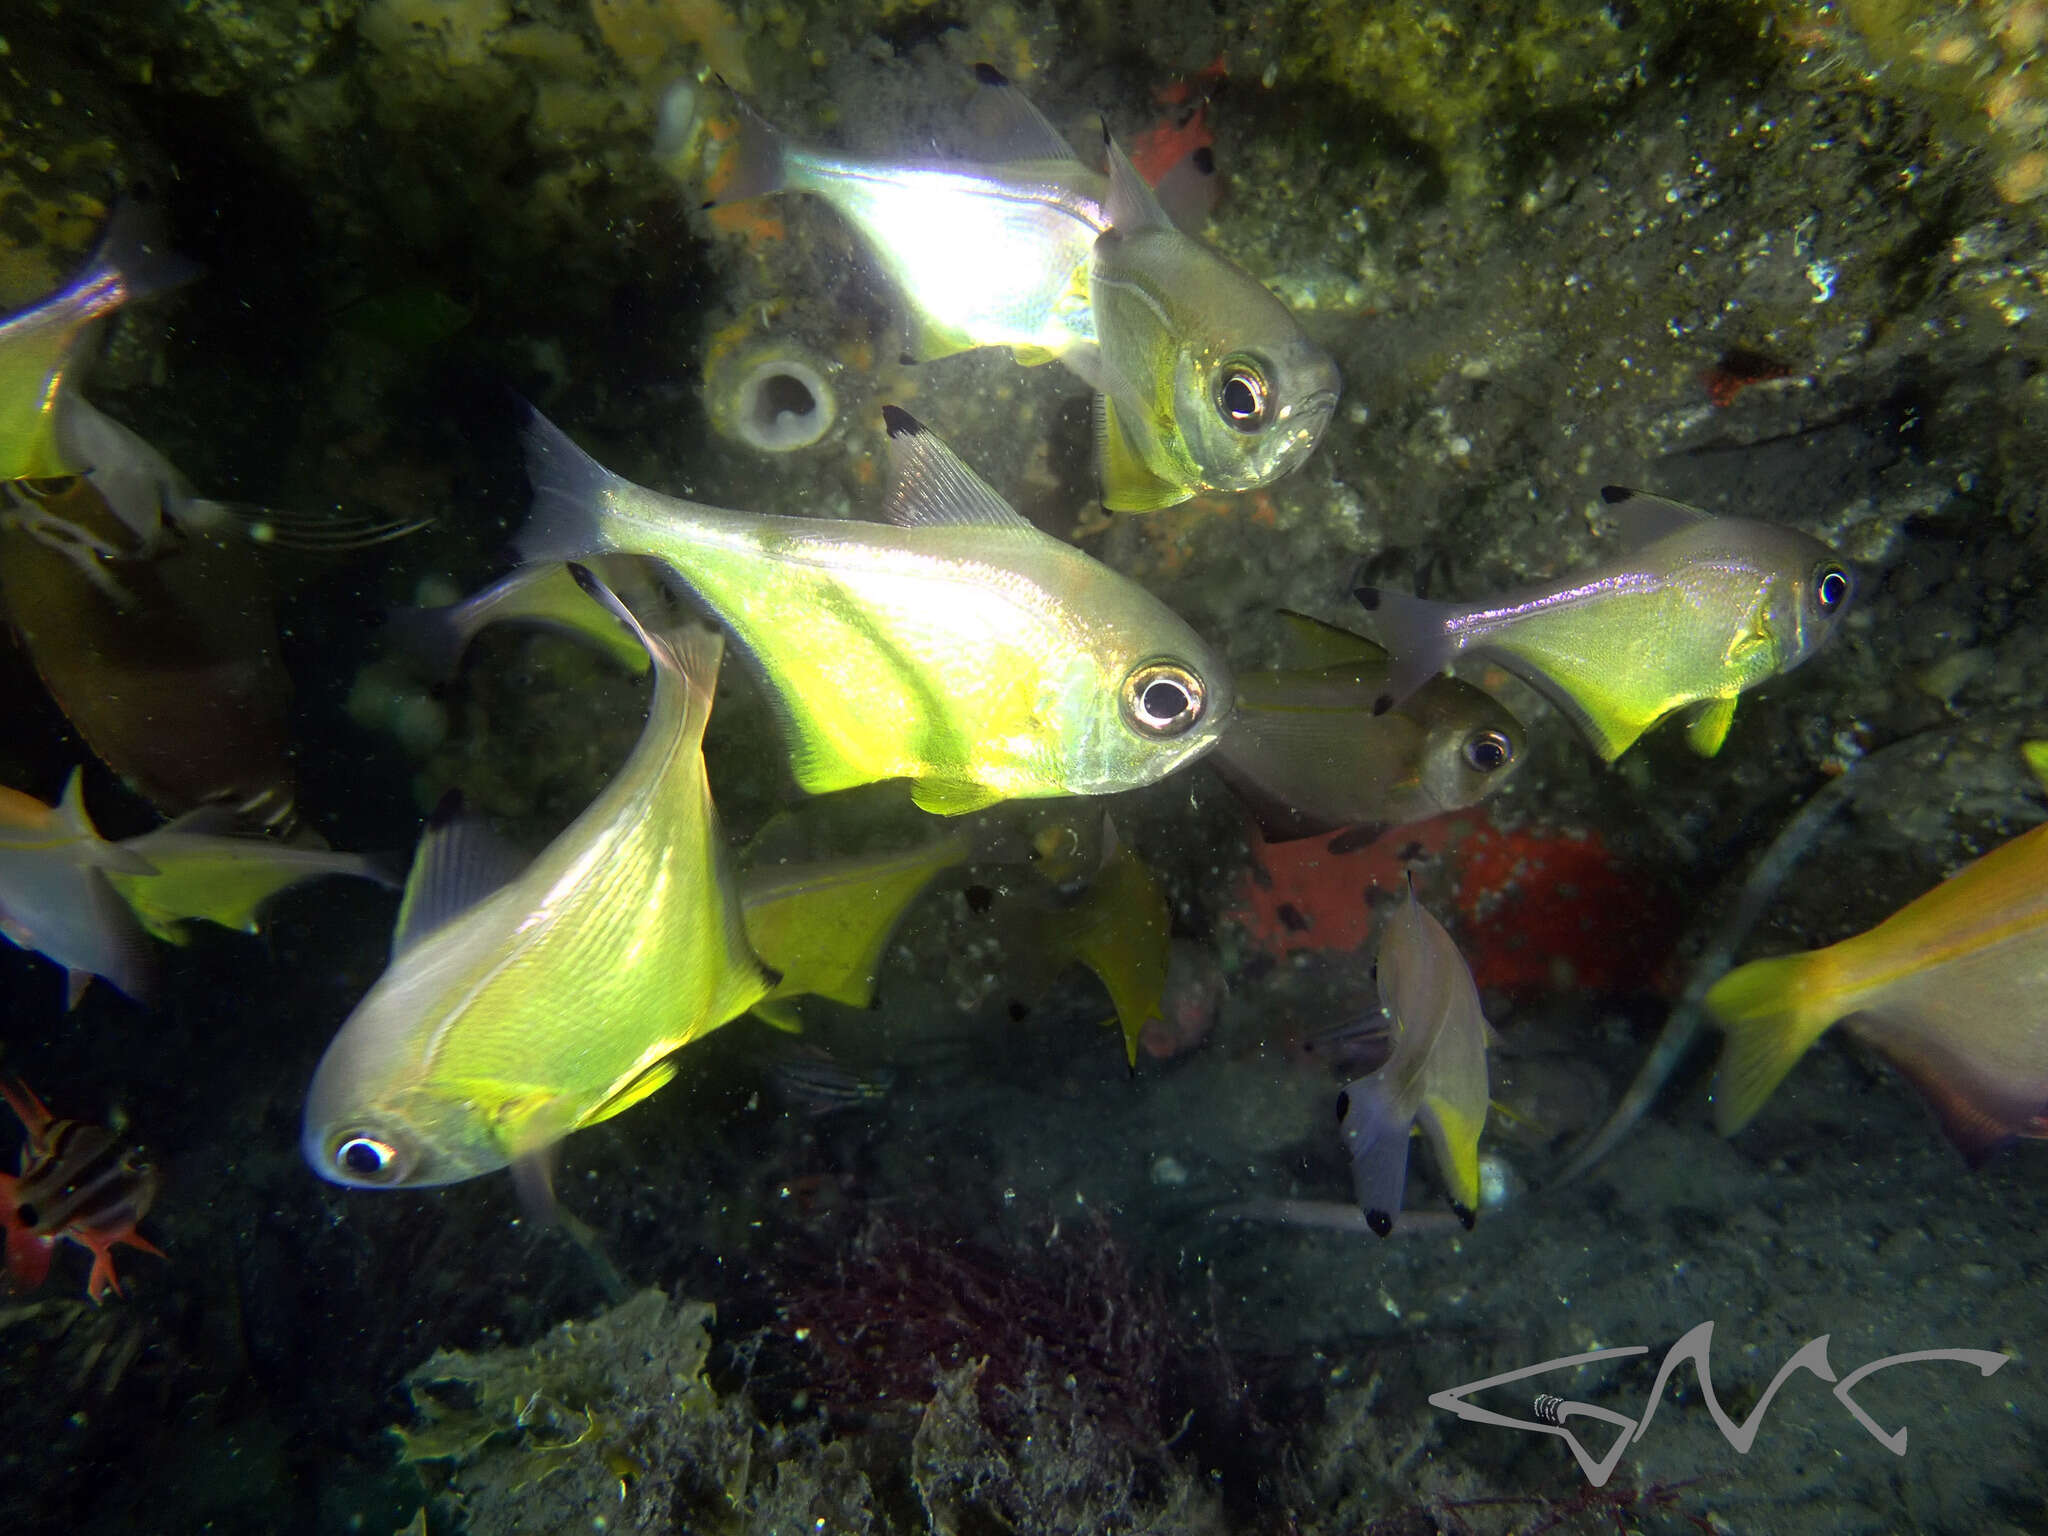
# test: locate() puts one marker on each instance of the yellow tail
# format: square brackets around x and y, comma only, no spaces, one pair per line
[1772,1010]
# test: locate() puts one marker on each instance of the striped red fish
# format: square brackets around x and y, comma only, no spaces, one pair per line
[77,1182]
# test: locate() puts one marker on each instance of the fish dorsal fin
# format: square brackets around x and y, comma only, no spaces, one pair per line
[1643,518]
[1130,205]
[1003,124]
[71,814]
[933,489]
[1308,643]
[460,862]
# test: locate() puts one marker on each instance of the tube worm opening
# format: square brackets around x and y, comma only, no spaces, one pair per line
[784,405]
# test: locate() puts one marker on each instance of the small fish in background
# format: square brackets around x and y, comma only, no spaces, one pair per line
[211,865]
[1702,609]
[522,1005]
[1204,380]
[957,646]
[1949,989]
[1176,155]
[1435,1077]
[811,1083]
[1307,755]
[41,346]
[1121,929]
[56,898]
[1190,1003]
[823,924]
[77,1183]
[546,596]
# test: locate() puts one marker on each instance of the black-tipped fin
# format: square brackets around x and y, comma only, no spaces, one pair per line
[932,488]
[1003,125]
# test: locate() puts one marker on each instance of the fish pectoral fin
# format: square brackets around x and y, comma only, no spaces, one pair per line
[951,797]
[1709,726]
[649,1081]
[1128,483]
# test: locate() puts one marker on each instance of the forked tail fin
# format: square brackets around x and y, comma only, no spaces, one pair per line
[1772,1012]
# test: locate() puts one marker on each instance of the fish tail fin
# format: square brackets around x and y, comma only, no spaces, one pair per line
[571,495]
[133,260]
[1771,1011]
[1377,1134]
[756,160]
[1418,634]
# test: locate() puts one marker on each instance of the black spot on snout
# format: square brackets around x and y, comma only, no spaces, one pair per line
[1382,704]
[1368,598]
[1615,495]
[1343,1105]
[1463,1213]
[1380,1222]
[988,74]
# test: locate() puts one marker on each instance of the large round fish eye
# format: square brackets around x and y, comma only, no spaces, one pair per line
[1489,751]
[1163,698]
[1243,398]
[366,1159]
[1831,588]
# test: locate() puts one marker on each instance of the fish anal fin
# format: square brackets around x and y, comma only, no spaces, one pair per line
[780,1013]
[1310,643]
[1709,726]
[1454,1135]
[1128,483]
[648,1081]
[1981,1107]
[951,797]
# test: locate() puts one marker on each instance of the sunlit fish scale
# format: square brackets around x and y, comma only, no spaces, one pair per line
[1308,755]
[519,1008]
[55,897]
[1949,989]
[1434,1078]
[1705,609]
[79,1182]
[40,345]
[960,648]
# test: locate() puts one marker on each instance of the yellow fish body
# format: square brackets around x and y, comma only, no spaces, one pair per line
[209,865]
[1121,929]
[962,648]
[1949,989]
[557,999]
[1206,381]
[40,345]
[1435,1077]
[1705,608]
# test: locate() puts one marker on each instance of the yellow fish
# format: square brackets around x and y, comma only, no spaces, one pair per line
[1204,380]
[1121,929]
[960,648]
[211,865]
[1949,989]
[40,346]
[518,1010]
[1704,608]
[824,924]
[546,596]
[1435,1077]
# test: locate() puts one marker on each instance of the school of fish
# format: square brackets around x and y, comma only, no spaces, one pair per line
[949,645]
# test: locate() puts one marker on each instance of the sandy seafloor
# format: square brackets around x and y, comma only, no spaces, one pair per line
[1530,272]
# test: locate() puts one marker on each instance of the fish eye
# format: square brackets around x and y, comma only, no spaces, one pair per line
[365,1158]
[1163,698]
[1343,1104]
[1489,751]
[1831,588]
[1243,397]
